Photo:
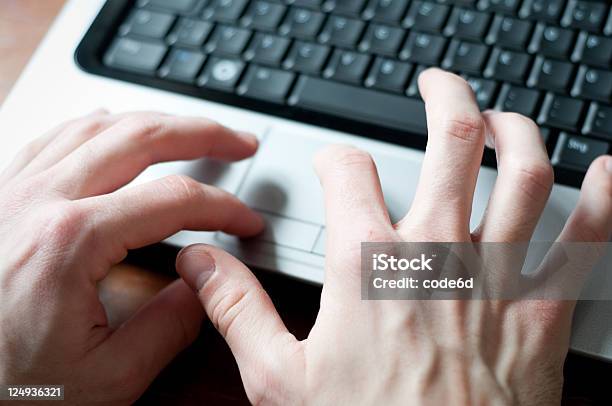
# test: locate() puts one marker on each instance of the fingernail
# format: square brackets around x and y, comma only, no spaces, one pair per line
[196,267]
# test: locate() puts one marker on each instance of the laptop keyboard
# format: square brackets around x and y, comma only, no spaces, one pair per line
[357,61]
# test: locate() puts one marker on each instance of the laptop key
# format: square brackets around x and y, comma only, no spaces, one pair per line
[593,50]
[595,84]
[508,66]
[542,10]
[510,33]
[228,40]
[468,24]
[560,111]
[575,152]
[585,15]
[484,90]
[550,74]
[502,6]
[389,11]
[190,33]
[346,7]
[182,65]
[347,66]
[302,23]
[341,31]
[134,55]
[426,15]
[267,84]
[224,10]
[267,49]
[306,57]
[263,15]
[147,24]
[552,41]
[382,39]
[599,121]
[389,75]
[423,48]
[356,103]
[221,74]
[464,56]
[176,6]
[518,100]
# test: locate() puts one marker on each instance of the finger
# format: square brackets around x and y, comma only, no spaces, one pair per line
[122,152]
[148,213]
[242,312]
[583,240]
[355,209]
[452,159]
[32,150]
[524,181]
[591,220]
[137,351]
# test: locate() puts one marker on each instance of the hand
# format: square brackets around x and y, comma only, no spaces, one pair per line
[64,223]
[422,352]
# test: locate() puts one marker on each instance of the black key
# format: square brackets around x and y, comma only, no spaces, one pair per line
[306,3]
[510,32]
[519,100]
[413,87]
[347,66]
[549,74]
[599,121]
[585,15]
[593,84]
[306,57]
[147,24]
[134,55]
[469,24]
[542,10]
[560,111]
[608,28]
[484,90]
[228,40]
[267,49]
[266,84]
[593,50]
[176,6]
[355,103]
[387,74]
[346,7]
[575,152]
[425,15]
[502,6]
[263,15]
[382,39]
[221,73]
[508,66]
[190,33]
[224,10]
[465,56]
[302,23]
[389,11]
[423,48]
[182,65]
[341,31]
[552,41]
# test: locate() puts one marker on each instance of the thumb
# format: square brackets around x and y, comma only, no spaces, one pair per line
[243,313]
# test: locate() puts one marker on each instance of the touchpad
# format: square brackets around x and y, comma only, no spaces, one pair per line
[282,179]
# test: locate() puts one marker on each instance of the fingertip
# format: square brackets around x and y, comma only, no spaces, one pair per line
[250,138]
[195,265]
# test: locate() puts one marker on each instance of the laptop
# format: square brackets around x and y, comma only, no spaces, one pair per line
[301,74]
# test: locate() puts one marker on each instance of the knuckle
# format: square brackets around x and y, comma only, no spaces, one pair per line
[465,126]
[349,157]
[142,128]
[534,177]
[230,303]
[62,224]
[182,187]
